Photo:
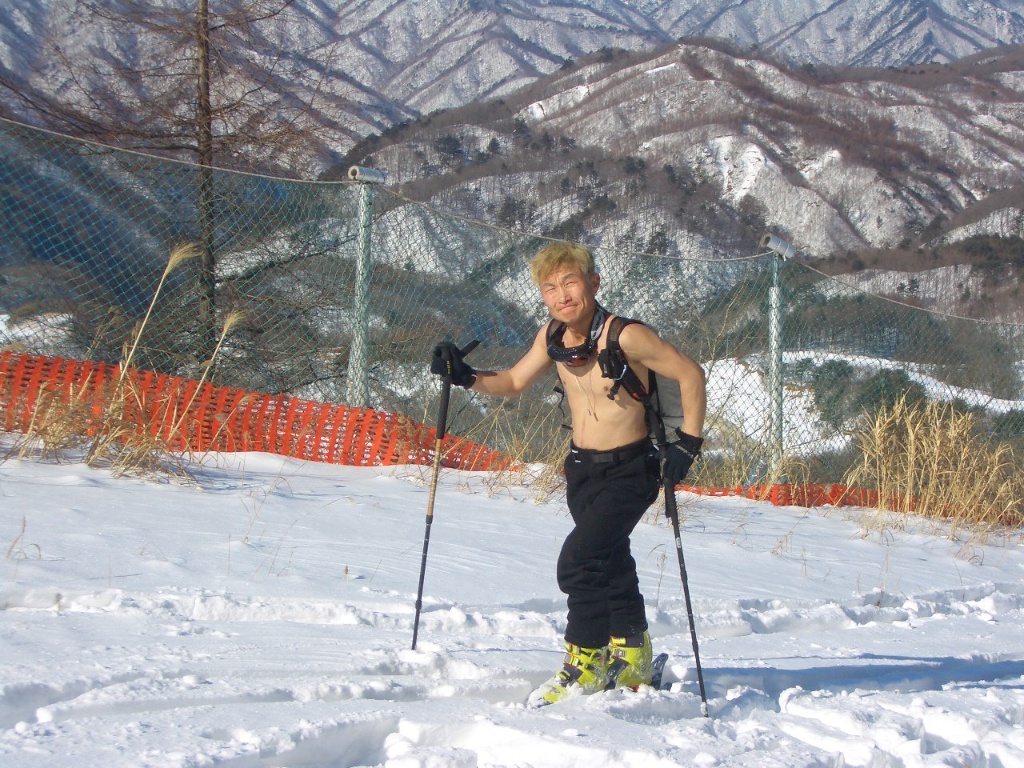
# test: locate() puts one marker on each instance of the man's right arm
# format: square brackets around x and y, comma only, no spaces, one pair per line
[517,379]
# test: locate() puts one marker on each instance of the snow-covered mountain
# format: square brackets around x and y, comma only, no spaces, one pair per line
[852,32]
[715,137]
[392,60]
[698,140]
[435,54]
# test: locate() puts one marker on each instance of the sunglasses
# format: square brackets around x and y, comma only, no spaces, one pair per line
[575,357]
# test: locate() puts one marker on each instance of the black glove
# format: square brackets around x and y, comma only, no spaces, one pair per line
[447,361]
[679,457]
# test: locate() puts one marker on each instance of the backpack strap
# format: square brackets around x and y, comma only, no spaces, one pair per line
[615,366]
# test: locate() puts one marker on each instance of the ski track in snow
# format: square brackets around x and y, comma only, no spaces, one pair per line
[271,670]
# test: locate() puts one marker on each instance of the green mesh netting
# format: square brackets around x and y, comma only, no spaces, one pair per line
[340,290]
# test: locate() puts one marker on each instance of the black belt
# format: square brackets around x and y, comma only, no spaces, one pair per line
[614,456]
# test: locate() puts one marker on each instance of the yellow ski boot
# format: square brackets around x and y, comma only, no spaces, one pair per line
[631,659]
[584,670]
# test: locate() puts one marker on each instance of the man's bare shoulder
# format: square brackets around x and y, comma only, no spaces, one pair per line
[636,336]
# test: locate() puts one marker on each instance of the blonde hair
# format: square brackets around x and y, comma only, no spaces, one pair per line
[561,254]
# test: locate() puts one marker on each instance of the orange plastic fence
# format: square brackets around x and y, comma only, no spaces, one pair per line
[807,495]
[187,415]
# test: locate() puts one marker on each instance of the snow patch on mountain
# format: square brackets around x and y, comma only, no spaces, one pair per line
[1005,222]
[560,101]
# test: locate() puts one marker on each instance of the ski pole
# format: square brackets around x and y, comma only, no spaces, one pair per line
[673,514]
[672,511]
[442,425]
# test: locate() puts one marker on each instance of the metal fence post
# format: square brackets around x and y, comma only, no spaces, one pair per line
[358,392]
[780,251]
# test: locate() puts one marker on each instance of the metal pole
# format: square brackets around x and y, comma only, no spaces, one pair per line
[358,393]
[775,370]
[780,250]
[441,429]
[672,512]
[442,419]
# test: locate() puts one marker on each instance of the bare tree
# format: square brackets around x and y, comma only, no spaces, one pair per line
[234,86]
[158,76]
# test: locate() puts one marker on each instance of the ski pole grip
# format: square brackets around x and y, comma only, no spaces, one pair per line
[442,408]
[446,385]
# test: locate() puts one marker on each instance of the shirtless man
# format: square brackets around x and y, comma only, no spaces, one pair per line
[612,470]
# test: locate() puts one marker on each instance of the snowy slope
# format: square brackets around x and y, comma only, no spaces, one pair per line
[262,616]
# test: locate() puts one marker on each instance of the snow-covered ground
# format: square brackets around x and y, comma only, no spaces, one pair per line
[263,616]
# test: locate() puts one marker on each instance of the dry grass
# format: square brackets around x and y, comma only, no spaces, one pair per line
[59,425]
[740,460]
[538,468]
[933,461]
[67,425]
[118,441]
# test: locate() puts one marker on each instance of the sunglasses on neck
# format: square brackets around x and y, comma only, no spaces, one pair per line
[575,357]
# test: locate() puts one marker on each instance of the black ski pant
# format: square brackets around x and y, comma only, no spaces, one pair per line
[608,492]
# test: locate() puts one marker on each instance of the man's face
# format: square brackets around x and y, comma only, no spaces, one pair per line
[569,294]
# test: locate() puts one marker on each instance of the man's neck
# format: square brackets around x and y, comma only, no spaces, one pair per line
[579,329]
[582,324]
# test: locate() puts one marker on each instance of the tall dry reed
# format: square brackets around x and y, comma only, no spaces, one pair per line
[933,461]
[66,422]
[118,441]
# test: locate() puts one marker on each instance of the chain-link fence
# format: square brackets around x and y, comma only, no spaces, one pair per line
[343,289]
